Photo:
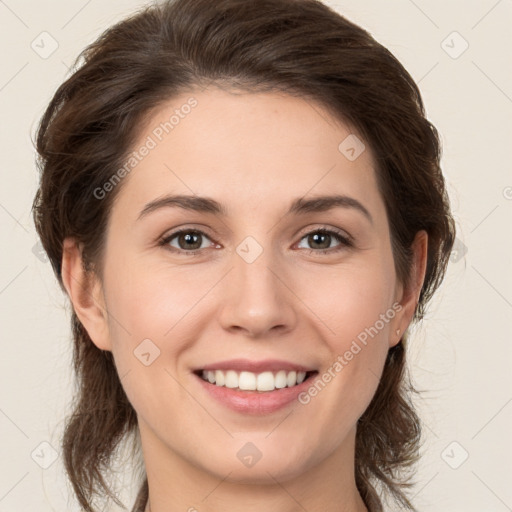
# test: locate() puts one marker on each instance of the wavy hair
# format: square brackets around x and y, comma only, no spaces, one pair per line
[302,48]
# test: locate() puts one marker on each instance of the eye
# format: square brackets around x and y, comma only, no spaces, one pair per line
[188,240]
[323,238]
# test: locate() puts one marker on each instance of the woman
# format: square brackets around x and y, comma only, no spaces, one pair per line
[189,168]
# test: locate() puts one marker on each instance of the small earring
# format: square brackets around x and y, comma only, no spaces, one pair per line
[398,332]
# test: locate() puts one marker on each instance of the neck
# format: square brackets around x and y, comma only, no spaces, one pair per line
[176,485]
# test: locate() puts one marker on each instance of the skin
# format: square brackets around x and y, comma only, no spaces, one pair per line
[254,153]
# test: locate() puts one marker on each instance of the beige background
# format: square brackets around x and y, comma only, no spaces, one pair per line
[461,354]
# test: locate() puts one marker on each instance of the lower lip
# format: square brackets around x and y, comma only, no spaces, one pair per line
[255,402]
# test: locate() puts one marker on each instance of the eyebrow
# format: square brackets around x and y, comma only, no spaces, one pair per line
[299,206]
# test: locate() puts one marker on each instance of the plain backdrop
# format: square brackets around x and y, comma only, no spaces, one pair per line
[460,355]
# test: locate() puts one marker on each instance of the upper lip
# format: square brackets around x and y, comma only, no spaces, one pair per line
[256,366]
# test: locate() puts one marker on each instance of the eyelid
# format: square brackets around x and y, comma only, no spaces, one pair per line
[166,239]
[326,229]
[345,239]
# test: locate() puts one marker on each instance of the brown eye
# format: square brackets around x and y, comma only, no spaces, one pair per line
[187,240]
[320,241]
[191,240]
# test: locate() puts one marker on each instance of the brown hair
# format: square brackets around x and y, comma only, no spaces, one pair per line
[300,47]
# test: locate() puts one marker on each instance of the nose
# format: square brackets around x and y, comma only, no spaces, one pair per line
[257,298]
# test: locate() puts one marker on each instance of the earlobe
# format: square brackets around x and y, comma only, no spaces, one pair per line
[86,294]
[408,298]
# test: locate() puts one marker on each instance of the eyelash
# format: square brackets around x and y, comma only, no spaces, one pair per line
[345,241]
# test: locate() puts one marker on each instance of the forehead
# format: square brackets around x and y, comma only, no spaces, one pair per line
[249,150]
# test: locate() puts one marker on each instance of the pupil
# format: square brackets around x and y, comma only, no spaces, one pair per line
[190,238]
[317,239]
[325,236]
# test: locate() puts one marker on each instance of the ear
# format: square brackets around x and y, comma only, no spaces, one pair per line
[408,298]
[86,294]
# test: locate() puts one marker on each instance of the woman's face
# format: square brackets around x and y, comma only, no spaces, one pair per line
[256,282]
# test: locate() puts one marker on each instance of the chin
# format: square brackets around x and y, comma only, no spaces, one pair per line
[256,467]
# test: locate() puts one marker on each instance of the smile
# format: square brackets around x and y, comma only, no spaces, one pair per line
[250,381]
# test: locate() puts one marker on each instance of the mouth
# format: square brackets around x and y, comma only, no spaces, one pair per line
[262,382]
[254,387]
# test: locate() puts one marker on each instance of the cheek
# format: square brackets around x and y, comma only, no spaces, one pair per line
[157,303]
[349,301]
[353,311]
[152,299]
[165,303]
[173,307]
[152,323]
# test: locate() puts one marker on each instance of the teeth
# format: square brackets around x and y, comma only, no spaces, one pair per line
[219,378]
[265,382]
[280,379]
[249,381]
[291,379]
[231,379]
